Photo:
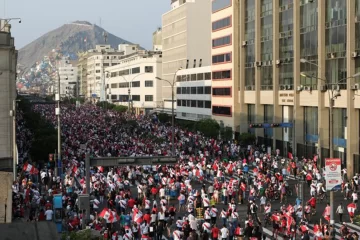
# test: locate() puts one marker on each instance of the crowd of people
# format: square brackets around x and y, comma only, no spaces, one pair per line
[198,197]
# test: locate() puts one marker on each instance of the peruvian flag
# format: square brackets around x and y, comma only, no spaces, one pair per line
[290,155]
[107,215]
[74,169]
[351,209]
[30,168]
[101,169]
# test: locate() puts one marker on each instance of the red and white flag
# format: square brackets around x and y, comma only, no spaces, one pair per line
[351,208]
[107,215]
[30,168]
[101,169]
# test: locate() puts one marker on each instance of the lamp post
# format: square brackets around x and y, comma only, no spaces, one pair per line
[172,84]
[13,115]
[333,94]
[57,112]
[6,22]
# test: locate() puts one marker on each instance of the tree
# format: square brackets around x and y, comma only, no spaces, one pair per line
[163,117]
[226,133]
[209,127]
[247,138]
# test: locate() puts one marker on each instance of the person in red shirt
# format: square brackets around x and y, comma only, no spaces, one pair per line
[131,203]
[41,216]
[147,218]
[48,205]
[214,232]
[312,203]
[154,192]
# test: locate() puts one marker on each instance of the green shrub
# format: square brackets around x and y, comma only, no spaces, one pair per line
[209,127]
[247,138]
[163,117]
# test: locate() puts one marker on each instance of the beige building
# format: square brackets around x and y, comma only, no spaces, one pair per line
[185,39]
[8,61]
[291,56]
[157,40]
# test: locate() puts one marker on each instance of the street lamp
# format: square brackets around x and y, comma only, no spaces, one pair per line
[333,94]
[172,84]
[57,112]
[7,20]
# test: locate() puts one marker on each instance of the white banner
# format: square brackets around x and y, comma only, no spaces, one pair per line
[333,174]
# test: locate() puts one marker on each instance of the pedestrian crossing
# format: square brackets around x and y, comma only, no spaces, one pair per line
[352,228]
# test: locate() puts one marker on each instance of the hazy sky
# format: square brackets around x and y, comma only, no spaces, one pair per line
[132,20]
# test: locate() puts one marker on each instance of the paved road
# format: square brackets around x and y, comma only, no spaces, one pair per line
[242,209]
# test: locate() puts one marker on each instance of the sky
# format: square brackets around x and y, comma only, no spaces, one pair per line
[132,20]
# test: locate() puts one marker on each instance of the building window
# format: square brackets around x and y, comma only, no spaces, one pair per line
[183,103]
[193,103]
[124,72]
[221,58]
[113,97]
[200,104]
[135,98]
[149,83]
[218,5]
[123,98]
[135,84]
[178,90]
[222,23]
[106,65]
[98,78]
[208,90]
[124,85]
[148,98]
[98,64]
[193,77]
[222,75]
[178,103]
[135,70]
[222,41]
[207,76]
[221,91]
[183,90]
[149,69]
[200,76]
[97,71]
[200,90]
[113,85]
[193,90]
[207,104]
[221,110]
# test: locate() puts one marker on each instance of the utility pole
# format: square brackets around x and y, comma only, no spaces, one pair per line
[57,112]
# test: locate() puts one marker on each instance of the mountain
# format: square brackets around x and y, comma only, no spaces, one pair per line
[68,39]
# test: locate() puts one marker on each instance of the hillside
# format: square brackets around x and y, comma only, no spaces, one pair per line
[68,39]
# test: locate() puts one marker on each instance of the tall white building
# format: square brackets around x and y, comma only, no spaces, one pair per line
[133,81]
[68,78]
[101,57]
[193,91]
[186,38]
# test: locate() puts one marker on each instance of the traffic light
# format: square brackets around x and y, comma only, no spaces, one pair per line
[275,125]
[256,125]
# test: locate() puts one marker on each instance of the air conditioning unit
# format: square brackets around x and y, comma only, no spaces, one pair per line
[282,87]
[244,43]
[288,87]
[278,62]
[332,55]
[299,88]
[308,88]
[259,64]
[323,88]
[355,86]
[354,54]
[357,19]
[282,35]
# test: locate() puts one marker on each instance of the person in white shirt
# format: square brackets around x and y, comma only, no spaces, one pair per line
[206,227]
[177,235]
[224,233]
[354,196]
[49,215]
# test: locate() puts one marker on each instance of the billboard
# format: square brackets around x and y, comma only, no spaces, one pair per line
[333,174]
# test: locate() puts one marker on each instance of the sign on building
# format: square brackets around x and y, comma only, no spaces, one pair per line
[333,173]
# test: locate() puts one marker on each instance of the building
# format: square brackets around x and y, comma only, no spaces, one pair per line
[97,60]
[224,63]
[292,57]
[8,62]
[157,40]
[193,93]
[133,81]
[82,73]
[68,78]
[185,39]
